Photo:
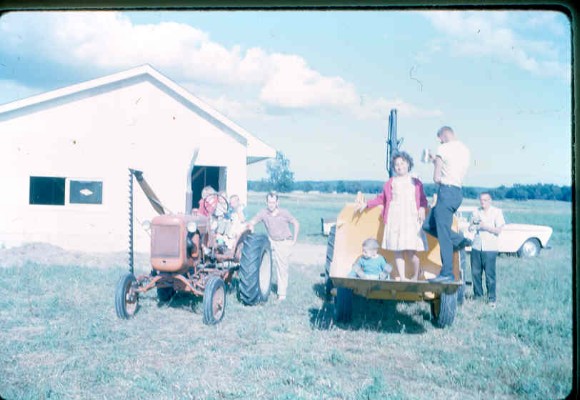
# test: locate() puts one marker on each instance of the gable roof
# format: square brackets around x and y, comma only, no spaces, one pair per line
[257,150]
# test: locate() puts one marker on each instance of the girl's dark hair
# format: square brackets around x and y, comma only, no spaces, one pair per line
[405,156]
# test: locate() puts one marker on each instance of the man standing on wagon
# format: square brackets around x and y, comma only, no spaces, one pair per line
[277,222]
[451,162]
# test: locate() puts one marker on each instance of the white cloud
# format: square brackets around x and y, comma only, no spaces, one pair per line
[491,34]
[293,84]
[379,108]
[110,41]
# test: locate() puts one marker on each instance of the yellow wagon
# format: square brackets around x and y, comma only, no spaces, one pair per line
[344,246]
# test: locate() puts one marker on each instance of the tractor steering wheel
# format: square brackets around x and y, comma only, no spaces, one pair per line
[215,204]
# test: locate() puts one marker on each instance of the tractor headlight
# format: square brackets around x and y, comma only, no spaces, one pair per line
[146,225]
[191,227]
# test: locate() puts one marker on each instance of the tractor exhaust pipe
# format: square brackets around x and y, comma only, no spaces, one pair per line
[189,189]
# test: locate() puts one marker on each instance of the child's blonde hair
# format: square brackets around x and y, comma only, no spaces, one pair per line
[206,191]
[371,244]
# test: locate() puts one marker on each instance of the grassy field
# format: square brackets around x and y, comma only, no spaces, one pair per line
[61,339]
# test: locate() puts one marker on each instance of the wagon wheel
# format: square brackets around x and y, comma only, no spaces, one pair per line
[214,300]
[443,309]
[329,256]
[126,297]
[530,248]
[343,305]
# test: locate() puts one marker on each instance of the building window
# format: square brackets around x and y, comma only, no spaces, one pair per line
[86,192]
[47,191]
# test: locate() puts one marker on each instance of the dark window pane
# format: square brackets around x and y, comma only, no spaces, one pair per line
[47,191]
[86,192]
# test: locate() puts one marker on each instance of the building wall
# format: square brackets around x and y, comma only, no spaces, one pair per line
[98,138]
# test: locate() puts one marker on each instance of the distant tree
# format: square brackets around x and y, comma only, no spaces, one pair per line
[280,178]
[498,193]
[306,186]
[566,194]
[517,192]
[469,192]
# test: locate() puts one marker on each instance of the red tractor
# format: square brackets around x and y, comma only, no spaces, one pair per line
[187,255]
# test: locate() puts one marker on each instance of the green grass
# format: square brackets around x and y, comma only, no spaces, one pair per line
[61,339]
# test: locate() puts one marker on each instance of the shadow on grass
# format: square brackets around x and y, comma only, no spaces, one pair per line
[183,300]
[377,315]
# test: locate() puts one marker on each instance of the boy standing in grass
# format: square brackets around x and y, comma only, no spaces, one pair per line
[277,222]
[487,222]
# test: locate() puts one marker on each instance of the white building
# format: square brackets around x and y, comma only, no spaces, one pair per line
[66,155]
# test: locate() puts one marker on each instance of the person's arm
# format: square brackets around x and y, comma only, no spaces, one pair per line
[380,199]
[422,201]
[296,226]
[240,212]
[498,222]
[357,268]
[253,221]
[474,220]
[437,171]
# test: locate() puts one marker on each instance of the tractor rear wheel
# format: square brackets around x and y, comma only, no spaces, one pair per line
[443,309]
[126,298]
[255,273]
[343,305]
[329,256]
[214,300]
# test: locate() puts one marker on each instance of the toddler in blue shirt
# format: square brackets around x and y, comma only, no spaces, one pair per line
[371,265]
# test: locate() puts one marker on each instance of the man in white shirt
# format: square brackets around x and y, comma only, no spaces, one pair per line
[451,163]
[487,222]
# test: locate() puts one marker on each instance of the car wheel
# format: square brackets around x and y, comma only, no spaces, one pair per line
[530,248]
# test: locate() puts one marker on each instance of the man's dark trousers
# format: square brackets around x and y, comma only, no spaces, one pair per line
[439,223]
[483,261]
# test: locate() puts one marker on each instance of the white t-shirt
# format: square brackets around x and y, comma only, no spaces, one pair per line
[455,156]
[484,240]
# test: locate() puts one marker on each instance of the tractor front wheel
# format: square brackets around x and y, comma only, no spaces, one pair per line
[126,297]
[255,271]
[214,300]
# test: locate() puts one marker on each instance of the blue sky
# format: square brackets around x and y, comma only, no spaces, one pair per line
[319,85]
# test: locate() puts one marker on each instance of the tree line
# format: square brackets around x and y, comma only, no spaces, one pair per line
[537,191]
[281,179]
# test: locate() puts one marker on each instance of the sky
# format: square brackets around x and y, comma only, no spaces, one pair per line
[319,85]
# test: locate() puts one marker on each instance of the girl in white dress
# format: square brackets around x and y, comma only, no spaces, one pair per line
[404,205]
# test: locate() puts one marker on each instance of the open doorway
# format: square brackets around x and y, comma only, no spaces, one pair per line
[203,176]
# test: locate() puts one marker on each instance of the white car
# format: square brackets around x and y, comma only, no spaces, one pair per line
[525,240]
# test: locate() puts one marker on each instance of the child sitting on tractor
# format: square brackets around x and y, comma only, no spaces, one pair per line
[230,224]
[371,265]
